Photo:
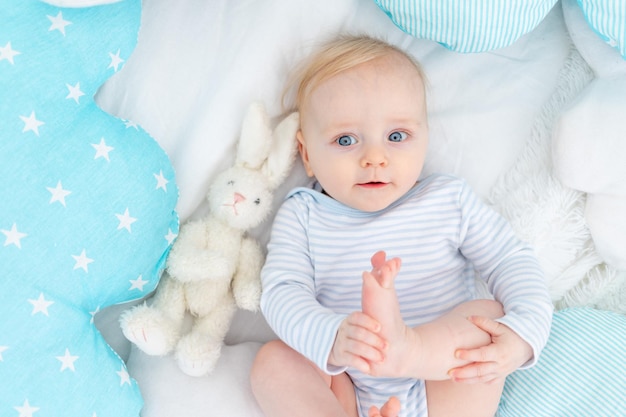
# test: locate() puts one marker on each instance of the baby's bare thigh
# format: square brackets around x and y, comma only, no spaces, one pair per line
[341,385]
[449,398]
[286,383]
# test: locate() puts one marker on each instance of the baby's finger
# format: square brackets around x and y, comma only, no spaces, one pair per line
[355,331]
[490,326]
[367,352]
[482,354]
[359,363]
[363,320]
[475,373]
[354,353]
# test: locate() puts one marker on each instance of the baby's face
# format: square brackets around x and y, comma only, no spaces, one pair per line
[364,133]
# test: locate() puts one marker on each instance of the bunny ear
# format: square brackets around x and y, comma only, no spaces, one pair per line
[256,138]
[283,150]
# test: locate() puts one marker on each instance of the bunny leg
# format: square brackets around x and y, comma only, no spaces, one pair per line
[155,329]
[198,351]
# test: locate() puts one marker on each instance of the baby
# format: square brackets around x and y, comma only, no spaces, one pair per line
[407,337]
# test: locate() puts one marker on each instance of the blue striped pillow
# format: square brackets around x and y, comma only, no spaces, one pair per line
[467,26]
[608,19]
[581,372]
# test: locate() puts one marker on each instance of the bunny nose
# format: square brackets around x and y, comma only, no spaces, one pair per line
[239,198]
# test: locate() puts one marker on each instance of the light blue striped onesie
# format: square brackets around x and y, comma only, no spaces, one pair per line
[442,232]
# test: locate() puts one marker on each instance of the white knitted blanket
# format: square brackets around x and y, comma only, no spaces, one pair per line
[550,216]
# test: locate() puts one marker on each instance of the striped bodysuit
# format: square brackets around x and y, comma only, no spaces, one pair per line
[443,233]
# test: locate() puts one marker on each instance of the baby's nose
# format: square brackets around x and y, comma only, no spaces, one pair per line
[374,156]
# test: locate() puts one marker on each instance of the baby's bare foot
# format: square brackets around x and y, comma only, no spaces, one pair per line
[380,301]
[390,409]
[379,298]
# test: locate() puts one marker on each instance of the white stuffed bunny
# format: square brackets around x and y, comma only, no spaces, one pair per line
[590,140]
[213,267]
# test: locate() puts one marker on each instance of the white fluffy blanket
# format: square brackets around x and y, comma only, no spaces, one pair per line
[551,216]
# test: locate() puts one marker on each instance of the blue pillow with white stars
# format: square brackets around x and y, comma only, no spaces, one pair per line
[87,214]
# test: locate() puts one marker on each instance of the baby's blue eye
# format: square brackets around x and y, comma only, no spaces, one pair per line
[397,136]
[346,140]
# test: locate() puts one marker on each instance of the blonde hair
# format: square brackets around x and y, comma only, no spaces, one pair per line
[338,55]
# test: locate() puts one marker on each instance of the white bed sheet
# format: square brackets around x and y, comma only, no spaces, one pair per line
[198,65]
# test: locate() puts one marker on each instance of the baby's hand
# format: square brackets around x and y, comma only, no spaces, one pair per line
[358,343]
[506,353]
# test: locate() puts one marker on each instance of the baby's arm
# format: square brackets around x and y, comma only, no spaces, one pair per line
[288,300]
[515,278]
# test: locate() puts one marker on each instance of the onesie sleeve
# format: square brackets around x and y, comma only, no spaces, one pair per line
[288,301]
[510,268]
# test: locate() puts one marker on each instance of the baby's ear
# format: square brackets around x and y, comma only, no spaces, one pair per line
[282,151]
[304,153]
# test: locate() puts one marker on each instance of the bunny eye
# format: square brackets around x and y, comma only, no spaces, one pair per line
[231,182]
[257,201]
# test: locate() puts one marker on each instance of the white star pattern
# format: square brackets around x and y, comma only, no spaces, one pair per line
[6,52]
[14,237]
[102,150]
[31,124]
[81,210]
[130,124]
[93,314]
[40,305]
[58,23]
[26,410]
[67,361]
[58,193]
[137,283]
[124,377]
[82,261]
[75,92]
[125,221]
[170,236]
[161,181]
[116,61]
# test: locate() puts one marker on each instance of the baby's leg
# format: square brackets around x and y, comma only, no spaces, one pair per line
[380,301]
[427,351]
[469,399]
[449,398]
[287,384]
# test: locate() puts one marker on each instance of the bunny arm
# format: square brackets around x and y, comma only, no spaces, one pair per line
[203,297]
[246,283]
[205,249]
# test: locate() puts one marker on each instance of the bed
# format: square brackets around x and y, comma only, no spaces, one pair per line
[116,115]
